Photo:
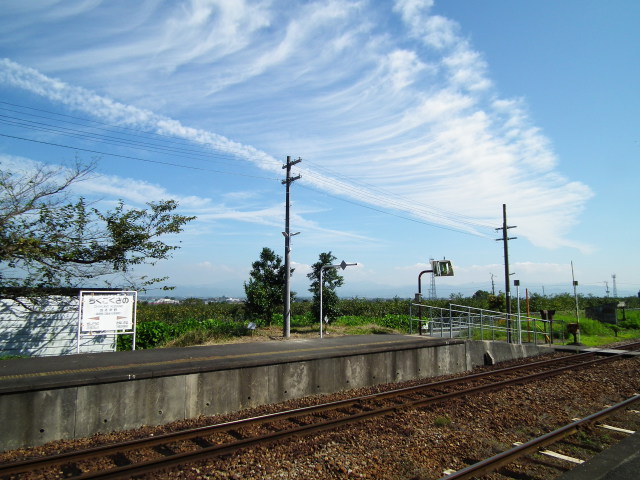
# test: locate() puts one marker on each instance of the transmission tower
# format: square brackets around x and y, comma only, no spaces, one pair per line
[432,287]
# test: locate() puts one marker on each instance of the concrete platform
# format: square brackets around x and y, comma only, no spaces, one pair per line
[39,373]
[600,351]
[620,462]
[53,398]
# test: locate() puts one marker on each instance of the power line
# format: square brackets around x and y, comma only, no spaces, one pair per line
[171,164]
[368,207]
[141,140]
[388,197]
[359,190]
[96,131]
[136,132]
[136,158]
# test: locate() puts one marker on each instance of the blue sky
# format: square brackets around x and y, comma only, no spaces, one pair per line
[415,120]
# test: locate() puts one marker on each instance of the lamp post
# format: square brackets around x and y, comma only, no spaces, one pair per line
[341,265]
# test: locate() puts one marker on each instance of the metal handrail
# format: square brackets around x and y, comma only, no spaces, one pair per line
[465,321]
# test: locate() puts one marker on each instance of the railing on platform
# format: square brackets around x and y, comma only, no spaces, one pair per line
[461,321]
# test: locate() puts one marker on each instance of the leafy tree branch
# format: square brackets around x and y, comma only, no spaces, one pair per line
[48,241]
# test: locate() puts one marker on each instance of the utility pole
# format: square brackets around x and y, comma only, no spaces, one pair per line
[287,247]
[505,240]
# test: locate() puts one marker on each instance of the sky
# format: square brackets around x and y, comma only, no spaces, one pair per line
[415,122]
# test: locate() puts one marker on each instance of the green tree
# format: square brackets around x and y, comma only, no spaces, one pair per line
[331,280]
[266,288]
[48,241]
[480,299]
[497,303]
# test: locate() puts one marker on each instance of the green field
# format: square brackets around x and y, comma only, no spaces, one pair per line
[194,322]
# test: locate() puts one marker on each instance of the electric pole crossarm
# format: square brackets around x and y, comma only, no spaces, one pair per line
[289,181]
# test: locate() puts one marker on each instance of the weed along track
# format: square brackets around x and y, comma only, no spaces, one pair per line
[222,450]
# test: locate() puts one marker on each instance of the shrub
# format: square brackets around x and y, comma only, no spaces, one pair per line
[152,334]
[304,320]
[397,322]
[221,328]
[631,323]
[353,320]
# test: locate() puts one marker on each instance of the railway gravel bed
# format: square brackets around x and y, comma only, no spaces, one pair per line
[410,444]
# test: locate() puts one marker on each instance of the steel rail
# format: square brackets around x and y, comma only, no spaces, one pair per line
[492,464]
[199,432]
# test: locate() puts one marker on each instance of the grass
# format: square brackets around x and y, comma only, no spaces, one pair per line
[181,333]
[442,421]
[593,333]
[598,340]
[12,357]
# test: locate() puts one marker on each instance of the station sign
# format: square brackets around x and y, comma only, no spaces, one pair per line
[110,311]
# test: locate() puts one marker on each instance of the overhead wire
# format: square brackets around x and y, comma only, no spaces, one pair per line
[369,207]
[181,147]
[107,126]
[395,201]
[93,136]
[115,141]
[134,133]
[404,203]
[137,158]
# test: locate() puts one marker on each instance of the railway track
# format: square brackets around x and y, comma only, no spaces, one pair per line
[520,450]
[149,455]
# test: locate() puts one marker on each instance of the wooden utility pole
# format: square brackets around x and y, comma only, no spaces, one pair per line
[505,240]
[287,247]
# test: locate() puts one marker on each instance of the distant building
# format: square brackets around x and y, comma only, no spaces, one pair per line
[165,301]
[224,299]
[233,300]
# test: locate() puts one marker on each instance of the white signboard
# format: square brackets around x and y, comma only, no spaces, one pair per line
[107,311]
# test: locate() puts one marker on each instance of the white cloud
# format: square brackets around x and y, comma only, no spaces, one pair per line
[410,124]
[404,65]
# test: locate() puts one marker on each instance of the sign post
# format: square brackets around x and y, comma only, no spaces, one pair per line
[107,313]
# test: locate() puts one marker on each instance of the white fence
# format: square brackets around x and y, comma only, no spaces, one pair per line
[47,328]
[479,324]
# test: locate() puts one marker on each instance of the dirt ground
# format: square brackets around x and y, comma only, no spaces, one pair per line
[275,333]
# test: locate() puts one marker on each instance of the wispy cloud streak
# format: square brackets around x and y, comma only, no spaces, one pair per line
[390,105]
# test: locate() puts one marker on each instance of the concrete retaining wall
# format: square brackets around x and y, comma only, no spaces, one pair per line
[34,418]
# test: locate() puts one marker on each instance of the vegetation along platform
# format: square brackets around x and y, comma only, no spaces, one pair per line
[44,399]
